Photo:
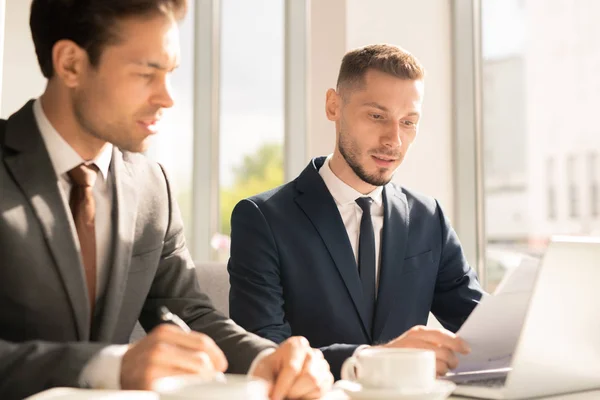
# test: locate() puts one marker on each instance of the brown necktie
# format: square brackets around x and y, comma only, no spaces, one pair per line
[83,208]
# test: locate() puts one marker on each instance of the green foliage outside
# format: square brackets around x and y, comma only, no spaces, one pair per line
[256,173]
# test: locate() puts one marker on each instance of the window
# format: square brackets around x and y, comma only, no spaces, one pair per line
[252,110]
[551,189]
[572,188]
[249,113]
[172,147]
[594,186]
[539,92]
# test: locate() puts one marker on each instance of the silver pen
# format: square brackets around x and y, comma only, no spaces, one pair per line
[168,317]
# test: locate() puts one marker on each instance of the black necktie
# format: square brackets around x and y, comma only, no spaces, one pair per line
[366,257]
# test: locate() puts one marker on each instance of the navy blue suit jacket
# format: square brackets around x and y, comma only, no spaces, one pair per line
[293,271]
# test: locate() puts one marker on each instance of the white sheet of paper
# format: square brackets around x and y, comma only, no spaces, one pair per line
[493,328]
[86,394]
[520,279]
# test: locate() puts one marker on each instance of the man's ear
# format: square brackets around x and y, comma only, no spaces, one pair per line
[69,61]
[333,103]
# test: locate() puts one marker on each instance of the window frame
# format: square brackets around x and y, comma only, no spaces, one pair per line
[469,212]
[205,174]
[2,33]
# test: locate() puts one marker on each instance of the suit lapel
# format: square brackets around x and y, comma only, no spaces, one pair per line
[124,218]
[320,208]
[32,170]
[393,250]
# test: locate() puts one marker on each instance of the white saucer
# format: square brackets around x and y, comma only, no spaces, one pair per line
[440,390]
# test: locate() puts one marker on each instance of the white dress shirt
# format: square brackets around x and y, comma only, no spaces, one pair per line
[103,371]
[345,198]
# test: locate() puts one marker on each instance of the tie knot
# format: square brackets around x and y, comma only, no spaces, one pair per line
[365,204]
[84,175]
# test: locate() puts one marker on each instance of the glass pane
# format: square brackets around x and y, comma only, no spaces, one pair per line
[541,89]
[173,146]
[251,121]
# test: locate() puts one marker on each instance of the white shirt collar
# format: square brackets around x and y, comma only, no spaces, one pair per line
[62,155]
[342,193]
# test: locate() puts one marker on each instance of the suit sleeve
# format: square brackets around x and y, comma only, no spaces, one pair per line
[176,287]
[256,297]
[457,290]
[30,367]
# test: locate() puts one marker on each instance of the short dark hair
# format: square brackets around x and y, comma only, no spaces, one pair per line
[88,23]
[386,58]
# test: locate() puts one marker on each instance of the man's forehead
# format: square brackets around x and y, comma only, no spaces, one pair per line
[149,29]
[157,48]
[370,96]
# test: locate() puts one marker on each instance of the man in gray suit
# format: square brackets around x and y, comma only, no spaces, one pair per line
[91,238]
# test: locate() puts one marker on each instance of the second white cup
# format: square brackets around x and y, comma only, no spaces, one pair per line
[383,368]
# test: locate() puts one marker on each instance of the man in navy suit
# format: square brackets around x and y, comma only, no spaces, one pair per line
[341,255]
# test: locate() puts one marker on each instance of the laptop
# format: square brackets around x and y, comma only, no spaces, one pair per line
[558,347]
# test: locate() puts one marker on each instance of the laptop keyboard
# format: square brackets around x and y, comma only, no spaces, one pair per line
[492,383]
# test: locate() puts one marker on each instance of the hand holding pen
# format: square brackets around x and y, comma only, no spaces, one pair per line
[170,349]
[168,317]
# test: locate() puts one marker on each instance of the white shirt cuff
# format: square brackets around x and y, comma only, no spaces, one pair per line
[359,349]
[258,358]
[103,371]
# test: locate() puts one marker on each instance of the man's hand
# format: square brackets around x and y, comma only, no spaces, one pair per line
[443,342]
[295,371]
[168,351]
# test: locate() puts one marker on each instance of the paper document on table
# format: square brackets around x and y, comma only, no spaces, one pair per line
[493,328]
[86,394]
[520,279]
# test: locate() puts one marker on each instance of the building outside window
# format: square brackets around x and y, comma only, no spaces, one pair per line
[540,94]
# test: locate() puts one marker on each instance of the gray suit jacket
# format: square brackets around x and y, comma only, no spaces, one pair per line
[45,338]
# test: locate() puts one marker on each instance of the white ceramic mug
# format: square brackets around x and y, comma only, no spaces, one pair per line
[385,368]
[232,387]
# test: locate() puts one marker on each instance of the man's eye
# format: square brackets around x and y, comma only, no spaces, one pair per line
[408,123]
[376,116]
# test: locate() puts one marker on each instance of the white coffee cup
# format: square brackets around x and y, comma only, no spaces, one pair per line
[384,368]
[232,387]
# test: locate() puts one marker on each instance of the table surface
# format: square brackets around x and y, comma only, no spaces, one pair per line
[593,395]
[81,394]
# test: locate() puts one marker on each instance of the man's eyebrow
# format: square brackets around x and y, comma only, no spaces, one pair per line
[155,65]
[376,105]
[385,109]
